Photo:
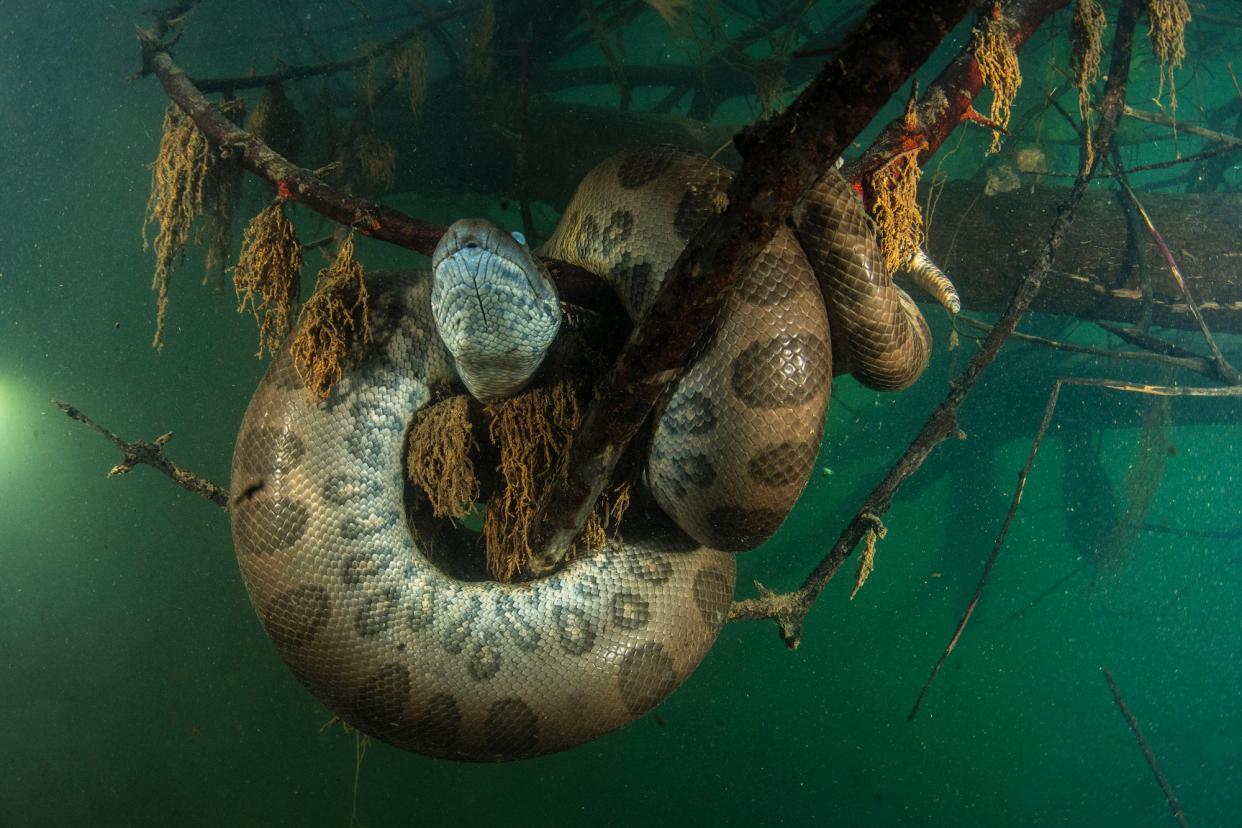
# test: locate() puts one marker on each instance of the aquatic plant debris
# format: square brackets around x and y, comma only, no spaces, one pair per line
[998,65]
[334,324]
[439,458]
[1086,50]
[895,208]
[267,275]
[1167,21]
[186,179]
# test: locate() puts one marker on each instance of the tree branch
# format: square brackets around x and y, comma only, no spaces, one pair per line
[1014,502]
[141,452]
[1175,807]
[947,100]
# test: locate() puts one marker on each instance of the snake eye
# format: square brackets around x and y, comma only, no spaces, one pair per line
[519,238]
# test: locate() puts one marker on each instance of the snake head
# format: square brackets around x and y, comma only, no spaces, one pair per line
[496,308]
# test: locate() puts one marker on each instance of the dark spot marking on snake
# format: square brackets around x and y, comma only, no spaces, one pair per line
[511,728]
[366,564]
[697,470]
[635,279]
[375,428]
[630,611]
[676,473]
[588,238]
[644,166]
[379,704]
[515,626]
[651,567]
[377,612]
[484,661]
[297,616]
[735,527]
[354,527]
[781,372]
[265,525]
[782,464]
[436,724]
[588,585]
[575,630]
[461,628]
[645,677]
[342,489]
[422,609]
[620,226]
[713,593]
[689,413]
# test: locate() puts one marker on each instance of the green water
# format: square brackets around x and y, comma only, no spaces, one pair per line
[137,687]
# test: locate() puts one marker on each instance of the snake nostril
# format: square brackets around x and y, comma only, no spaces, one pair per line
[471,245]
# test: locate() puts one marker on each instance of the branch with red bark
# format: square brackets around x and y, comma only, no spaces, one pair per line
[949,99]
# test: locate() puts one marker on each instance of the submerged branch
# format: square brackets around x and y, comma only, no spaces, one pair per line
[1190,363]
[1175,807]
[1191,129]
[1049,409]
[142,452]
[1225,371]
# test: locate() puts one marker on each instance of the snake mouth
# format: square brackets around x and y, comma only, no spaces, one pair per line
[495,309]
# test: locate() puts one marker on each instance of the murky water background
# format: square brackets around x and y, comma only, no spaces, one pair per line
[136,686]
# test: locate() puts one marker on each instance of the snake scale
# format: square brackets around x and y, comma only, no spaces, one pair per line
[484,671]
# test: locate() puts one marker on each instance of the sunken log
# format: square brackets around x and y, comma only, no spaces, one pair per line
[985,243]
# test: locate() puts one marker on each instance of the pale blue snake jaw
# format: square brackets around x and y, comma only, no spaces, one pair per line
[495,308]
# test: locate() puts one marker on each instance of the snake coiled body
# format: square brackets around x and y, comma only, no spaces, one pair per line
[486,671]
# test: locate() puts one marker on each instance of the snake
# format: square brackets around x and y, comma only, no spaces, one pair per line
[353,589]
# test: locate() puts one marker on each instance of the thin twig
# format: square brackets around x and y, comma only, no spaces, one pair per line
[996,548]
[141,452]
[287,73]
[1226,371]
[1155,165]
[1190,363]
[1038,599]
[1175,807]
[1165,120]
[1156,390]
